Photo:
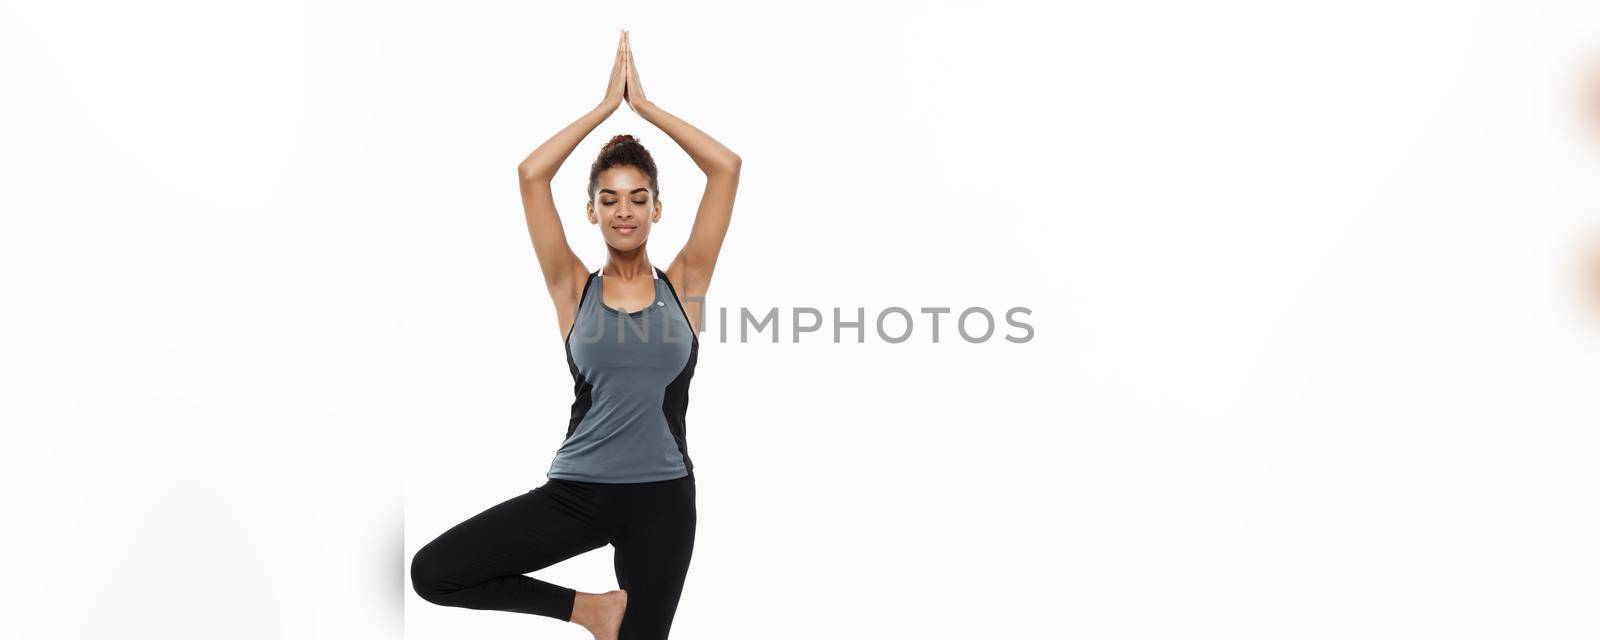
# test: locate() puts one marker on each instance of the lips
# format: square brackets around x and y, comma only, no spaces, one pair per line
[624,230]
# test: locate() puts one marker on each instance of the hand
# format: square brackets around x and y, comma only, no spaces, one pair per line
[616,91]
[633,91]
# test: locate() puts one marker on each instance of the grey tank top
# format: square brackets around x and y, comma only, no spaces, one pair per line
[630,375]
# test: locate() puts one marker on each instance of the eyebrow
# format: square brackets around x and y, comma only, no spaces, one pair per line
[630,192]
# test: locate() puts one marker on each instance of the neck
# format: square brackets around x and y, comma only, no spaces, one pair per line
[627,265]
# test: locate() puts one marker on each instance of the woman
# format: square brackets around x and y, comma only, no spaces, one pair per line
[622,475]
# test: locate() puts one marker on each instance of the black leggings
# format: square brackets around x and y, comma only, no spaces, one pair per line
[479,563]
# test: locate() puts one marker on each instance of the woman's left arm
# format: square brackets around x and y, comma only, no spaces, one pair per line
[692,267]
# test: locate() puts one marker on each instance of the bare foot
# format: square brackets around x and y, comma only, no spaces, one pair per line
[600,613]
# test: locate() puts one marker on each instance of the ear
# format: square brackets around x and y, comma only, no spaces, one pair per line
[592,219]
[657,217]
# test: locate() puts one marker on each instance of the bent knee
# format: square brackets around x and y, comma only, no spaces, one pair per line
[430,576]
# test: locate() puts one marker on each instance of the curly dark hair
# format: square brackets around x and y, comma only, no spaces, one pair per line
[623,150]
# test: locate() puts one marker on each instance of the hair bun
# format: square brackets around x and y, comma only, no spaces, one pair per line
[619,139]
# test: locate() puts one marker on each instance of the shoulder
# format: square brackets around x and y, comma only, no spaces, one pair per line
[570,286]
[673,276]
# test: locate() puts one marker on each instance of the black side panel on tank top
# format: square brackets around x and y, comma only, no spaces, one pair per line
[675,403]
[583,392]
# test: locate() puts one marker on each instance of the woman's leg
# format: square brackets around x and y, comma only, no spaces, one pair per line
[654,541]
[479,563]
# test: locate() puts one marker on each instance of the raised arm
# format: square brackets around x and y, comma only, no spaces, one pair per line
[691,269]
[564,273]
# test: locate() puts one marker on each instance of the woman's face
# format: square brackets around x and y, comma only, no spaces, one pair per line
[623,207]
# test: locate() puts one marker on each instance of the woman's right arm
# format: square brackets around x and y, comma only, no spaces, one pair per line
[564,273]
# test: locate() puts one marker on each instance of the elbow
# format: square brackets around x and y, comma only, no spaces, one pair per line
[530,173]
[731,165]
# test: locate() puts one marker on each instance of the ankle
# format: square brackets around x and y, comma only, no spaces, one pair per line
[582,608]
[600,613]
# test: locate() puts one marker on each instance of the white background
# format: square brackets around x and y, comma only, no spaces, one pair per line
[1315,354]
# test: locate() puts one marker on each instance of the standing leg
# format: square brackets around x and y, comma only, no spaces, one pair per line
[654,541]
[479,563]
